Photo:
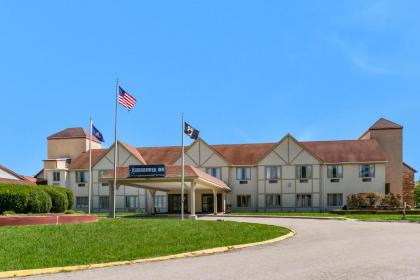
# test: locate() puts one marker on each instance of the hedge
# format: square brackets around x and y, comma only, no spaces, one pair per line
[34,199]
[373,200]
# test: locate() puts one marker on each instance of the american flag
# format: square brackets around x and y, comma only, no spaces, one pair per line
[125,99]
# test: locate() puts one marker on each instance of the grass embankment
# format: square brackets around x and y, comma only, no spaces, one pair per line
[362,217]
[108,240]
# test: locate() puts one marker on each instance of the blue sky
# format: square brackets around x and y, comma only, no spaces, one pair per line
[242,71]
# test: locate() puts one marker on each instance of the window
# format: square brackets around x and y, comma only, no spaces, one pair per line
[82,202]
[272,172]
[335,199]
[81,177]
[304,172]
[243,173]
[131,201]
[56,176]
[104,202]
[101,173]
[273,200]
[160,201]
[335,171]
[303,200]
[367,171]
[215,172]
[243,201]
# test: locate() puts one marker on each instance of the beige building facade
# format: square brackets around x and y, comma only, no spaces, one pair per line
[288,175]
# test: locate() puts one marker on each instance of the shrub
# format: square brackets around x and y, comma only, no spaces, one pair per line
[417,193]
[8,213]
[58,198]
[391,201]
[357,201]
[373,199]
[34,199]
[70,198]
[13,200]
[39,202]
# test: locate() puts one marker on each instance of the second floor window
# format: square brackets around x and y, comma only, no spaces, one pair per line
[367,171]
[335,171]
[243,173]
[272,172]
[215,172]
[81,177]
[56,176]
[304,172]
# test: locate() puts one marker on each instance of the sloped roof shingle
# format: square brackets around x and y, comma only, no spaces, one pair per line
[347,151]
[72,132]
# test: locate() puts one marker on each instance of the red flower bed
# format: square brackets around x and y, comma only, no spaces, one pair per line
[45,220]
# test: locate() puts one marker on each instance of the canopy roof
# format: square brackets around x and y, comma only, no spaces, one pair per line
[171,181]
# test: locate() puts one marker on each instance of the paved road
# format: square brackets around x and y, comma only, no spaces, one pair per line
[321,250]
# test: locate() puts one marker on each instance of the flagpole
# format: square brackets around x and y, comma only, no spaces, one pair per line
[115,150]
[182,168]
[90,165]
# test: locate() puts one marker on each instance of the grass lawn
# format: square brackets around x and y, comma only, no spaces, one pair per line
[361,217]
[118,214]
[300,214]
[25,247]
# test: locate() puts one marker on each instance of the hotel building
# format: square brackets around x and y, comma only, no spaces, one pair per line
[288,175]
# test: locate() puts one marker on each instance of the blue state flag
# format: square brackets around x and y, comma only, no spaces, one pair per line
[97,134]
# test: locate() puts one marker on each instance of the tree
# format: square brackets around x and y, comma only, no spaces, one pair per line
[417,193]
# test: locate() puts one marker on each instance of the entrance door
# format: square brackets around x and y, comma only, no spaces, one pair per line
[174,203]
[207,203]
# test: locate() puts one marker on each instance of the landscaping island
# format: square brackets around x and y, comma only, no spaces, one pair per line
[109,240]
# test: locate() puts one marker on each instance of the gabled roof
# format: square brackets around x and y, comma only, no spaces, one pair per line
[13,173]
[385,124]
[174,172]
[20,179]
[347,151]
[160,155]
[72,132]
[82,161]
[409,167]
[133,151]
[243,154]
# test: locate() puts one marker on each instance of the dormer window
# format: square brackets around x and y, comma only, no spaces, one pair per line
[243,173]
[56,176]
[272,172]
[81,177]
[304,173]
[367,171]
[215,172]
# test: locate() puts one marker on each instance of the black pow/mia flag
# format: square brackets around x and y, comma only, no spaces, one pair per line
[191,131]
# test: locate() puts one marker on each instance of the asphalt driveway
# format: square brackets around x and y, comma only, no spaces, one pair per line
[322,249]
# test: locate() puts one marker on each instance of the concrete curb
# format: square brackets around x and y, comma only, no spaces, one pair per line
[277,217]
[52,270]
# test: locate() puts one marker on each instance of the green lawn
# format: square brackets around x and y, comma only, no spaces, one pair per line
[361,217]
[118,214]
[25,247]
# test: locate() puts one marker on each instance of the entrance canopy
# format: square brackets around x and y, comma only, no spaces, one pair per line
[171,181]
[194,179]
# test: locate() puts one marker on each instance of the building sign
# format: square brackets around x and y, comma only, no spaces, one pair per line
[144,171]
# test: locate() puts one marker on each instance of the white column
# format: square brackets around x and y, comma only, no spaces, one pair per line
[224,202]
[152,203]
[192,193]
[215,201]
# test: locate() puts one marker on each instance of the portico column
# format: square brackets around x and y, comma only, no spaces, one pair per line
[152,204]
[224,202]
[192,193]
[215,201]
